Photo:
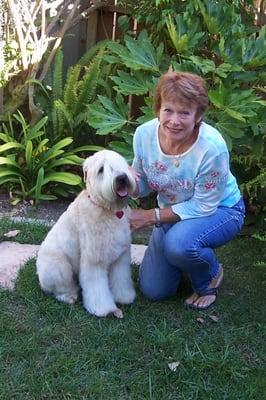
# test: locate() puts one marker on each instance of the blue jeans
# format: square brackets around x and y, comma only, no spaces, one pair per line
[187,246]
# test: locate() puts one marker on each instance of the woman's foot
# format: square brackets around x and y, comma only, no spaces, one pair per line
[203,301]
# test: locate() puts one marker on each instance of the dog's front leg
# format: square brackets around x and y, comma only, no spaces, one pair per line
[97,297]
[120,280]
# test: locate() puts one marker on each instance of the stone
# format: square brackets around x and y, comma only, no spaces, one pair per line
[14,255]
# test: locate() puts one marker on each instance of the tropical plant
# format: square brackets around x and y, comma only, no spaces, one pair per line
[31,168]
[66,101]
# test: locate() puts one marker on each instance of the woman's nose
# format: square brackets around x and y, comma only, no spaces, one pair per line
[175,119]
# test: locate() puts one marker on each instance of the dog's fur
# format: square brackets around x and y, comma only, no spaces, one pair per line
[89,246]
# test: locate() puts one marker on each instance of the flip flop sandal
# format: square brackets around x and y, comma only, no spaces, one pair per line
[207,292]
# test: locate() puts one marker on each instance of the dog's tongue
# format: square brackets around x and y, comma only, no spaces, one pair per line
[122,192]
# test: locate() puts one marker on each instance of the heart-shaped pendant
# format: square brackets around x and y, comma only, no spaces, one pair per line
[119,214]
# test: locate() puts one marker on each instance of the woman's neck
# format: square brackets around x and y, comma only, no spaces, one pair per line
[171,147]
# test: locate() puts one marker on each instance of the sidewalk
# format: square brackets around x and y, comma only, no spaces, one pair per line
[14,255]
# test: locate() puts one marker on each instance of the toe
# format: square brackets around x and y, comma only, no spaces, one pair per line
[204,301]
[190,300]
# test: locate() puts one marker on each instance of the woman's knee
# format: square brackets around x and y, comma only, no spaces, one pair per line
[154,292]
[175,250]
[155,289]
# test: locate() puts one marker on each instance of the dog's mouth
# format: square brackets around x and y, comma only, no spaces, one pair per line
[121,184]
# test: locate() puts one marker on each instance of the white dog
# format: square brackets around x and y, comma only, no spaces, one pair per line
[89,246]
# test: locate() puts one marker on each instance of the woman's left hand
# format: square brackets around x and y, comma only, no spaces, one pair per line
[141,219]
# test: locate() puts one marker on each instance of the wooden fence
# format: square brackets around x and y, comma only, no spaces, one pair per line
[100,25]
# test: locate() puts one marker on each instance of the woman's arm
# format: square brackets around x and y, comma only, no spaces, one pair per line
[144,218]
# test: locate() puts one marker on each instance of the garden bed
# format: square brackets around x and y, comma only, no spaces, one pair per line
[48,211]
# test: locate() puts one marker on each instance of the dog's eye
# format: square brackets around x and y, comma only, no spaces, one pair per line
[100,170]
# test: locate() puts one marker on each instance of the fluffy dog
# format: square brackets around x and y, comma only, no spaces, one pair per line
[89,246]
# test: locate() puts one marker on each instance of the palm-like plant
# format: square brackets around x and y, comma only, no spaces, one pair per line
[32,168]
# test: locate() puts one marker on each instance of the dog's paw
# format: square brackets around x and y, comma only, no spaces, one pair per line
[67,298]
[118,313]
[100,310]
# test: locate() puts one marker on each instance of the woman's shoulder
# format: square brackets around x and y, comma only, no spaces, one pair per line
[212,137]
[148,126]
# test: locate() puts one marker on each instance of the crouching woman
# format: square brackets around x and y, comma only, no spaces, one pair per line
[200,208]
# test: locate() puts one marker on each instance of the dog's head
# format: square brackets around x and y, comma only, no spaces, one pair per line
[108,178]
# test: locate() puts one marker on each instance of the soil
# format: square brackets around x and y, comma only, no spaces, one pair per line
[48,211]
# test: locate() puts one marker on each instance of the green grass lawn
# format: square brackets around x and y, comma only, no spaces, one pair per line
[55,351]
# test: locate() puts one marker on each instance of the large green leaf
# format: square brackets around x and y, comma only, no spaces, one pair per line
[35,131]
[139,53]
[110,117]
[255,52]
[49,155]
[131,84]
[205,65]
[39,184]
[123,149]
[8,161]
[9,178]
[10,145]
[64,177]
[66,160]
[41,146]
[183,32]
[5,171]
[6,138]
[88,147]
[240,105]
[28,154]
[210,21]
[62,143]
[48,197]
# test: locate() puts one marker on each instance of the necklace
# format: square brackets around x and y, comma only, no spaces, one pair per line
[176,161]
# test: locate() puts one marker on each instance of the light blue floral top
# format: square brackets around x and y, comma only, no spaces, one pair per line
[194,183]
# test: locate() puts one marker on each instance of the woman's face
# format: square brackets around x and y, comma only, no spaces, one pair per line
[178,120]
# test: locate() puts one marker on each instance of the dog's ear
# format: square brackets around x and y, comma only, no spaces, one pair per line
[86,168]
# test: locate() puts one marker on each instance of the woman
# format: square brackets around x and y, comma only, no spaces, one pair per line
[186,162]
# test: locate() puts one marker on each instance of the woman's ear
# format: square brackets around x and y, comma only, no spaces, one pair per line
[198,119]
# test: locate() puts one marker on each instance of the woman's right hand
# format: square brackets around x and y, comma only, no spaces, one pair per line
[141,219]
[135,174]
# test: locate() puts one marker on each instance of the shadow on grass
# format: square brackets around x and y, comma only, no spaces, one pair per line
[53,351]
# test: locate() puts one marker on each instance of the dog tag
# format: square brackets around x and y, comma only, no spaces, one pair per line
[119,214]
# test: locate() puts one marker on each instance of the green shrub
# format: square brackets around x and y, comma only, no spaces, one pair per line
[32,169]
[216,40]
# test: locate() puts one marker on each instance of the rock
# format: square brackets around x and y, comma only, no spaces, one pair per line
[14,255]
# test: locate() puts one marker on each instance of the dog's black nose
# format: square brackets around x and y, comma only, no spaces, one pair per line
[122,180]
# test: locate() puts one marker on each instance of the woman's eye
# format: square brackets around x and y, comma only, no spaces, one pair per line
[184,112]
